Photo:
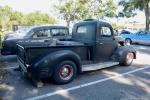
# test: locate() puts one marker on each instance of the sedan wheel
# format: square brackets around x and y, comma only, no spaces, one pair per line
[128,42]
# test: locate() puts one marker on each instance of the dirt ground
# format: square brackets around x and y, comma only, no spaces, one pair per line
[6,62]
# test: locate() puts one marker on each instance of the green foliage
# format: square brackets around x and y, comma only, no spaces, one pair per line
[69,11]
[5,13]
[84,9]
[37,18]
[131,5]
[1,37]
[8,17]
[117,27]
[105,8]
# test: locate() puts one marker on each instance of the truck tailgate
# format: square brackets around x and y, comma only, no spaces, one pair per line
[23,46]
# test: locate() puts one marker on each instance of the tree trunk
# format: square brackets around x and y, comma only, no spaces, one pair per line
[147,14]
[68,24]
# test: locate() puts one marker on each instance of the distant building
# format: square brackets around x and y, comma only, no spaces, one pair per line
[132,24]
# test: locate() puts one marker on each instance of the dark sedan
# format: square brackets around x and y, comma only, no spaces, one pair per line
[37,34]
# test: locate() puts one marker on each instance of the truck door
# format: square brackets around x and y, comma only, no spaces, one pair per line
[105,44]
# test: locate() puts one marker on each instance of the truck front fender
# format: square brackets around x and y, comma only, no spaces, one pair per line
[50,61]
[120,51]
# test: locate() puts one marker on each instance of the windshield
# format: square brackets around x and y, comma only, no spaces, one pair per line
[24,32]
[17,34]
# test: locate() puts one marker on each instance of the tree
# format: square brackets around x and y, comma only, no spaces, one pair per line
[38,18]
[84,9]
[101,8]
[132,5]
[5,13]
[117,27]
[68,11]
[8,17]
[16,17]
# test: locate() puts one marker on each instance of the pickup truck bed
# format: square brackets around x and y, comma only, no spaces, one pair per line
[29,54]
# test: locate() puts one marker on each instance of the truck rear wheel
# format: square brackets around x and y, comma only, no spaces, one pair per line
[127,59]
[65,72]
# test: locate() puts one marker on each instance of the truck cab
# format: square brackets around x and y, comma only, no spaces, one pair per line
[91,47]
[97,34]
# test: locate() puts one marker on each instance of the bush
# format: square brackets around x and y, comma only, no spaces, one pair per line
[0,42]
[1,38]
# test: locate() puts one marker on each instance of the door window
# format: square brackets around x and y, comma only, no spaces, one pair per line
[105,32]
[59,32]
[41,34]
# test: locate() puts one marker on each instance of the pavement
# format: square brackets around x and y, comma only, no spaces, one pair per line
[114,83]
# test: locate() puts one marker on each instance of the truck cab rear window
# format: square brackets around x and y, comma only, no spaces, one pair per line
[82,29]
[85,28]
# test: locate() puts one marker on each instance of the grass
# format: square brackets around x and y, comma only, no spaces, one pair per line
[0,42]
[1,38]
[2,72]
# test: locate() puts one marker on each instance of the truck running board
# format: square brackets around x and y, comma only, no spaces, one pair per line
[97,66]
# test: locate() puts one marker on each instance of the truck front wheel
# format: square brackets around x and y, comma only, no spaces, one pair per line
[127,59]
[65,72]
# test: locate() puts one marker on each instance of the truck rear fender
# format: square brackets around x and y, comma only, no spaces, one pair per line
[120,51]
[51,60]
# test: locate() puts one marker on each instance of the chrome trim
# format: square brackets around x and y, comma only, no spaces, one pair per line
[22,65]
[20,46]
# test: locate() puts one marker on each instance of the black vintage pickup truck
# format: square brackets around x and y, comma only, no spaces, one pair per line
[91,47]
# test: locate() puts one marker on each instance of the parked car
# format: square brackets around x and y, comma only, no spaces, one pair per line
[34,34]
[125,32]
[13,34]
[91,47]
[119,38]
[141,37]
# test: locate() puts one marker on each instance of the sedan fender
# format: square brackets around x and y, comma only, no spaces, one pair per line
[46,65]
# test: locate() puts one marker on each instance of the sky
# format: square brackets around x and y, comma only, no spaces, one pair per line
[27,6]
